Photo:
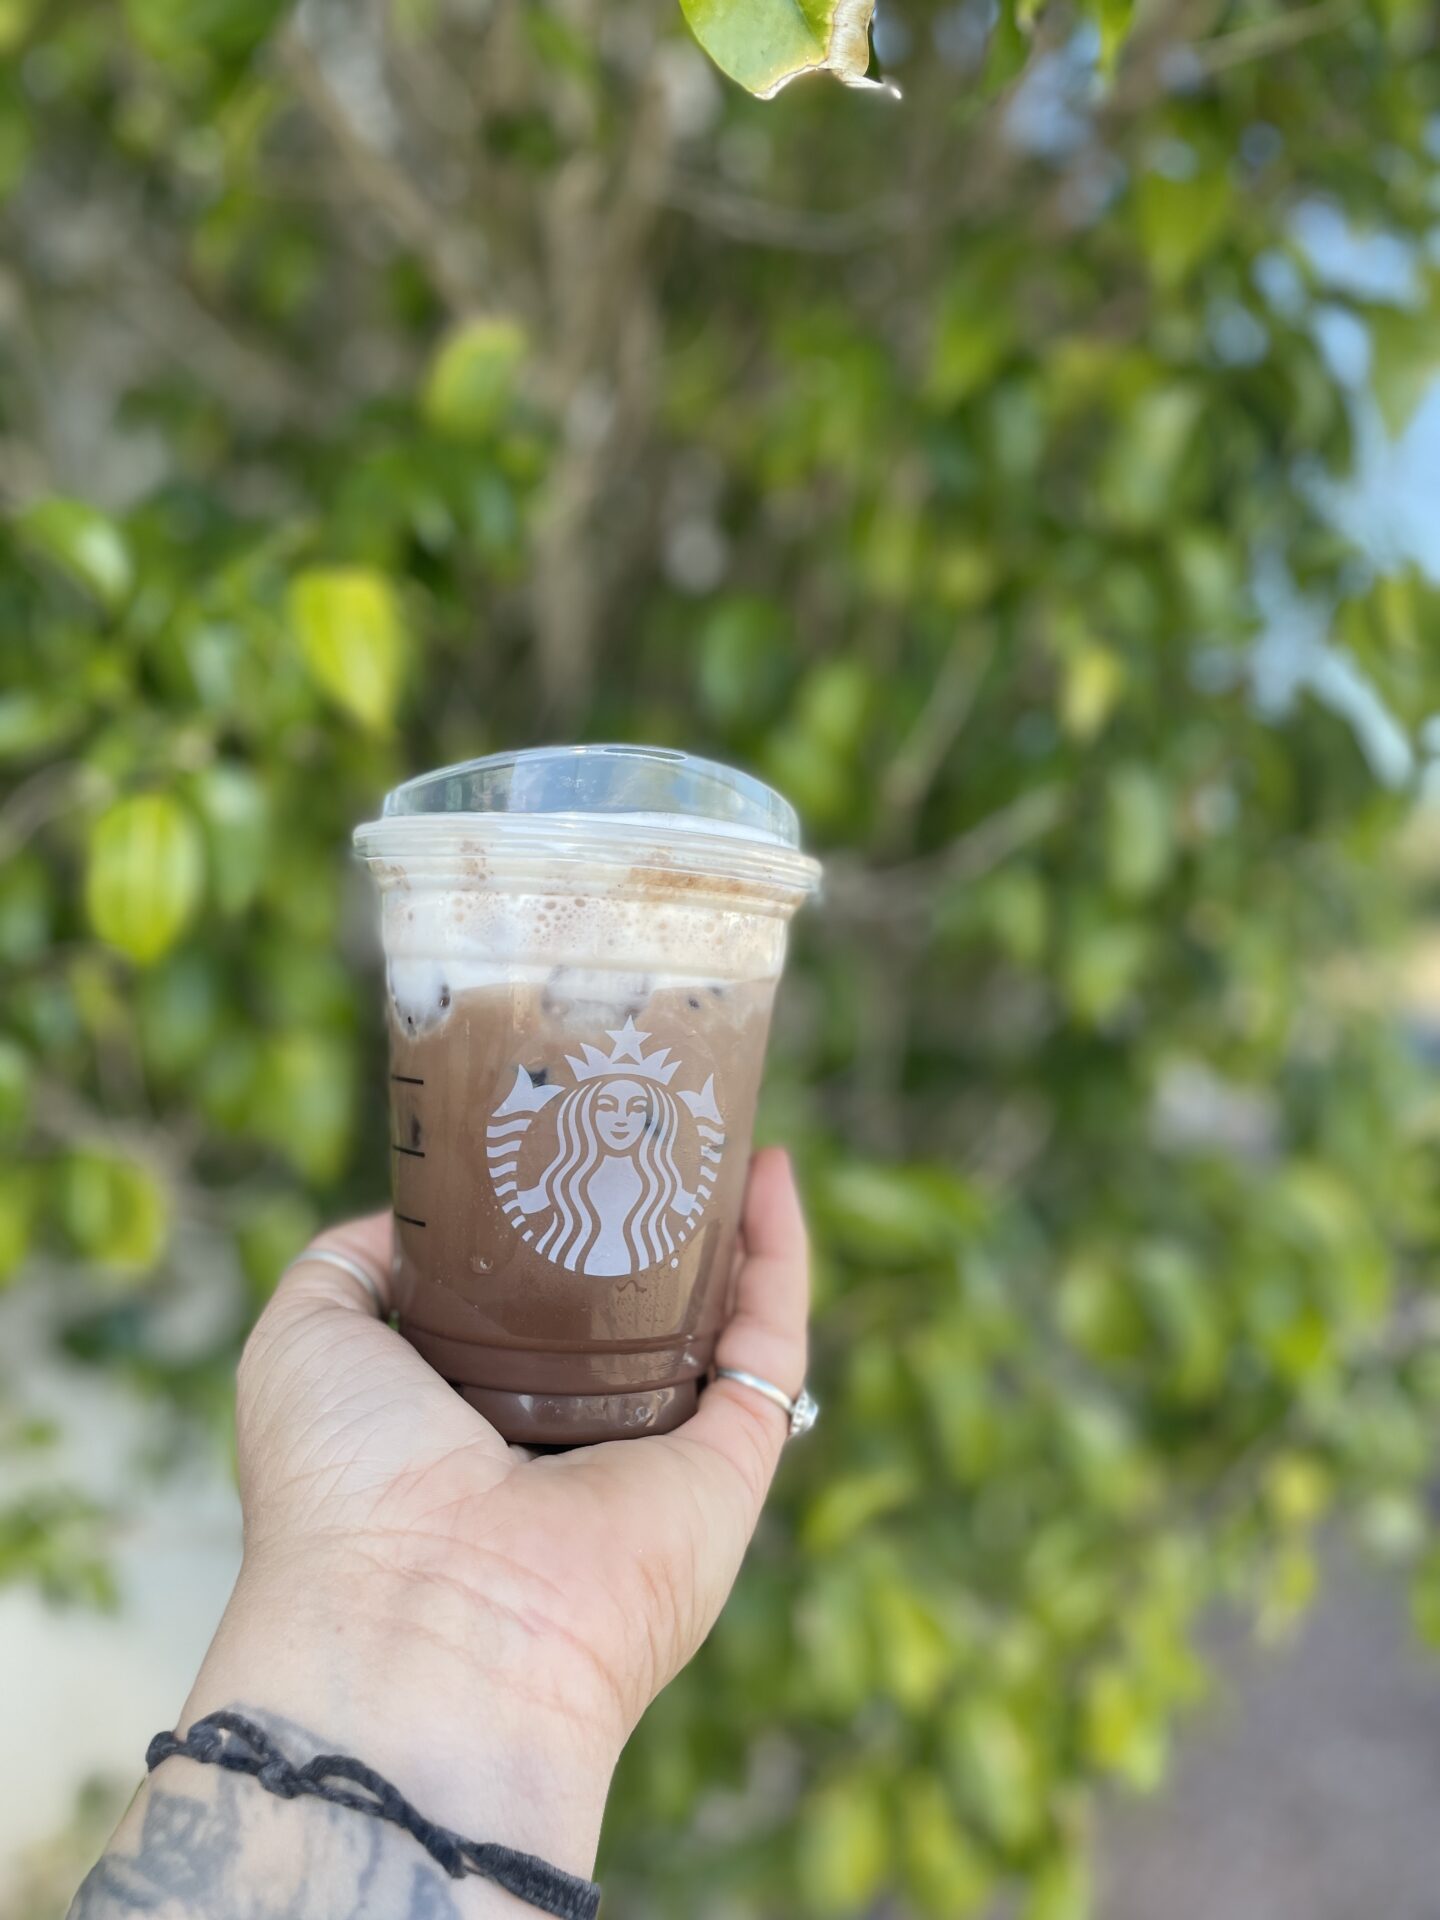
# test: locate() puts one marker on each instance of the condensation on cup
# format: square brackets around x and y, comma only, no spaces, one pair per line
[582,946]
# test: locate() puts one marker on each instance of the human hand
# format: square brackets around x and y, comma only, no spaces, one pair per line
[486,1627]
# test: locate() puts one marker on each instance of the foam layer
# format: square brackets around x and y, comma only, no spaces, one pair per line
[601,951]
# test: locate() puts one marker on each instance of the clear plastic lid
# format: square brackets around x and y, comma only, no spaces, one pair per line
[615,780]
[574,802]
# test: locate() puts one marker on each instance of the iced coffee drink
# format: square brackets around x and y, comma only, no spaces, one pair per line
[582,949]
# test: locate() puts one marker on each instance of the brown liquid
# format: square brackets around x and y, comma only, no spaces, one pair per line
[565,1237]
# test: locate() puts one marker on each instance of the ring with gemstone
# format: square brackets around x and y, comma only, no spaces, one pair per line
[802,1412]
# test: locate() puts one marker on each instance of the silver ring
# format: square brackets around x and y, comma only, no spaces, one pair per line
[802,1412]
[346,1265]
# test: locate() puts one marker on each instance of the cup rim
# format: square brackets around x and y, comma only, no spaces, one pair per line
[476,849]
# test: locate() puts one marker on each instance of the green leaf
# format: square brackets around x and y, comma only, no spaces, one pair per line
[83,544]
[851,1502]
[472,377]
[303,1101]
[833,1635]
[352,638]
[37,720]
[974,335]
[1103,962]
[236,812]
[894,1216]
[14,1088]
[57,1539]
[1136,482]
[1425,1598]
[996,1763]
[741,654]
[1405,359]
[17,1206]
[1114,19]
[1181,221]
[272,1229]
[114,1210]
[144,874]
[174,29]
[1139,821]
[765,44]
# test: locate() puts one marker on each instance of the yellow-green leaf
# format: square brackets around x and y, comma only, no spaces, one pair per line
[472,377]
[114,1210]
[945,1874]
[144,874]
[16,18]
[352,637]
[1123,1732]
[1061,1889]
[914,1651]
[844,1847]
[1093,680]
[764,44]
[1297,1489]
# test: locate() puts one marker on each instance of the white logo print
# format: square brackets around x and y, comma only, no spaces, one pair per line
[610,1197]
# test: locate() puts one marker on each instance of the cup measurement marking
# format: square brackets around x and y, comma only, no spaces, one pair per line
[413,1153]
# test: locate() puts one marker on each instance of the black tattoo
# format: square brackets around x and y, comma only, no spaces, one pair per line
[220,1848]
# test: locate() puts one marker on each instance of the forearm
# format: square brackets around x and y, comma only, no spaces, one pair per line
[415,1681]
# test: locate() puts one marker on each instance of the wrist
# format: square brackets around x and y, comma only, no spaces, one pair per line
[479,1720]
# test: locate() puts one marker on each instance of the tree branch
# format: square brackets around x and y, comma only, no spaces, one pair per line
[925,748]
[1227,50]
[858,892]
[380,180]
[762,223]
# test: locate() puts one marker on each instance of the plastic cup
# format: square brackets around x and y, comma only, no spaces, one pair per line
[582,946]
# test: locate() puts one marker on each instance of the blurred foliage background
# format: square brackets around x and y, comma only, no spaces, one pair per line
[394,380]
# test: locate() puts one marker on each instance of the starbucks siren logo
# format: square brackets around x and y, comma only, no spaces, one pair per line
[628,1165]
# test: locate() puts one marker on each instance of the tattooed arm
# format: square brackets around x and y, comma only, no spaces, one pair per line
[482,1628]
[199,1841]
